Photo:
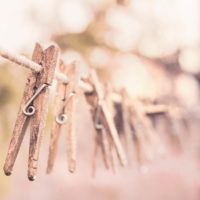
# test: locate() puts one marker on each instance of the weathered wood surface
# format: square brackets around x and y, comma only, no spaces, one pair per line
[56,127]
[97,97]
[48,60]
[22,120]
[74,75]
[64,104]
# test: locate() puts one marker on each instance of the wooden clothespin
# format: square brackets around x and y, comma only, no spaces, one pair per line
[142,145]
[64,107]
[122,121]
[111,147]
[101,143]
[150,141]
[101,140]
[133,129]
[102,116]
[33,109]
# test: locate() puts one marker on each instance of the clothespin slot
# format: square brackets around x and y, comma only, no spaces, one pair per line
[33,109]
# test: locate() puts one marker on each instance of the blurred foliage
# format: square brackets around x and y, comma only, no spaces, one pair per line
[81,42]
[7,90]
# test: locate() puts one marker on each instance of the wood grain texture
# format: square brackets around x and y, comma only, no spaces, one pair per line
[22,120]
[65,105]
[109,122]
[74,75]
[100,143]
[55,130]
[49,61]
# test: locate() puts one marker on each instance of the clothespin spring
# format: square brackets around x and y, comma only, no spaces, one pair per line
[30,110]
[62,118]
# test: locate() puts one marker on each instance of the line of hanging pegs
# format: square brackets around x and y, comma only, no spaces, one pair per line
[113,126]
[34,107]
[133,123]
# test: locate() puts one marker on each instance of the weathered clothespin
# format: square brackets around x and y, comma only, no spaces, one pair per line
[150,141]
[122,121]
[101,143]
[33,109]
[64,110]
[101,140]
[102,117]
[142,145]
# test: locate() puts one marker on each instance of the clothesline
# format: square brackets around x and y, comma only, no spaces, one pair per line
[25,62]
[110,125]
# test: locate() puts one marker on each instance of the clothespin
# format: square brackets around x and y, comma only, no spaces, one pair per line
[102,117]
[102,144]
[64,107]
[122,122]
[109,99]
[177,127]
[150,140]
[33,109]
[101,139]
[141,141]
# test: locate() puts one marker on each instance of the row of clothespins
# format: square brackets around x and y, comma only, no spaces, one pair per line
[113,119]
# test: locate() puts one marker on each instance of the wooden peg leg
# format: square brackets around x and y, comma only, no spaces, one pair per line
[71,138]
[113,132]
[74,75]
[15,144]
[49,62]
[22,120]
[104,147]
[108,120]
[94,157]
[55,134]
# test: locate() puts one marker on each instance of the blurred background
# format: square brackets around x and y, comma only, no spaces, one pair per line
[149,47]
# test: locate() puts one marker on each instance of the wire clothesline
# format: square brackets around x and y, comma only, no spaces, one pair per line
[25,62]
[108,135]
